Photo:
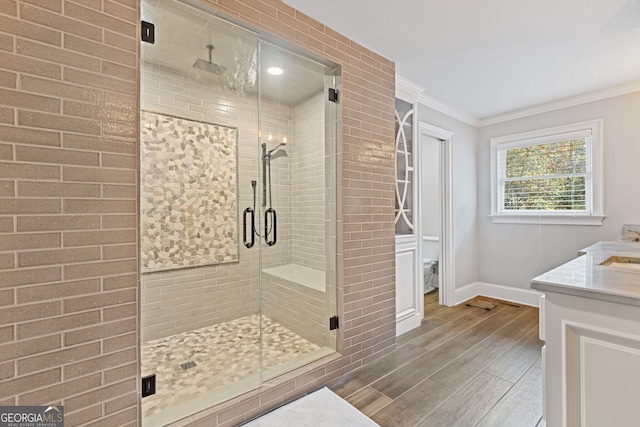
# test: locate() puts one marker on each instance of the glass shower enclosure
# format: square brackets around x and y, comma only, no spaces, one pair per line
[237,214]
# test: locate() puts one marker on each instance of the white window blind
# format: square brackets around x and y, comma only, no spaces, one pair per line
[546,174]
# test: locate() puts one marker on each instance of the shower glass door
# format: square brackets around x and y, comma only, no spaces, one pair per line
[200,305]
[297,213]
[237,210]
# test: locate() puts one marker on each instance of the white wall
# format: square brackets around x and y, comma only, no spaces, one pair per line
[465,155]
[512,254]
[430,192]
[430,185]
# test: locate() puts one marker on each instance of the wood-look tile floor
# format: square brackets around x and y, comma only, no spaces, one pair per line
[462,367]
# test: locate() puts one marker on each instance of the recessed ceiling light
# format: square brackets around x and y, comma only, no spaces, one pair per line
[274,71]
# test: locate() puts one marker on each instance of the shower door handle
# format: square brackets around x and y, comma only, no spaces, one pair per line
[270,214]
[244,227]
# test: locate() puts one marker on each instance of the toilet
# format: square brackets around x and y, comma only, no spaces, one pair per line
[431,276]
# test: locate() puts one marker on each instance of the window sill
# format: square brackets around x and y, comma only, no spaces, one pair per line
[548,219]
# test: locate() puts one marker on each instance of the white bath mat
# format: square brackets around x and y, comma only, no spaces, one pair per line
[322,408]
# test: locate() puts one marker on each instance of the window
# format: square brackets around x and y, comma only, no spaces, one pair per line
[551,176]
[404,168]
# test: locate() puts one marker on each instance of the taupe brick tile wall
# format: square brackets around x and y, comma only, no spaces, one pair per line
[68,186]
[68,208]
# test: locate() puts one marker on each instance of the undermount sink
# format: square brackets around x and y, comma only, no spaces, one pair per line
[622,261]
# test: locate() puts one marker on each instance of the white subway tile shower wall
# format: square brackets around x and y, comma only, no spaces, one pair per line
[308,184]
[178,301]
[295,297]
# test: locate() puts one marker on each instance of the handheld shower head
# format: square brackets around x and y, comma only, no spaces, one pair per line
[276,147]
[209,67]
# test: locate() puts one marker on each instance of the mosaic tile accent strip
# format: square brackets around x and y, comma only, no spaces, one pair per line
[218,356]
[189,195]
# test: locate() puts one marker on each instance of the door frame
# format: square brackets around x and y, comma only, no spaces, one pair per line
[446,248]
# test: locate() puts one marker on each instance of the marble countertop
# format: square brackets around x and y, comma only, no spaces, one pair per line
[585,277]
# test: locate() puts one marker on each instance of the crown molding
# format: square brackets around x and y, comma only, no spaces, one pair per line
[407,90]
[563,103]
[448,110]
[411,92]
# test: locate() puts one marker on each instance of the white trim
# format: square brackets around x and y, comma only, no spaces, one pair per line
[410,318]
[506,293]
[448,110]
[543,363]
[563,103]
[546,136]
[404,239]
[407,90]
[447,246]
[401,138]
[407,321]
[465,293]
[548,219]
[565,330]
[596,125]
[446,255]
[542,332]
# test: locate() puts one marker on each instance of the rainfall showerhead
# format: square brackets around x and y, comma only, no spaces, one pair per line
[209,67]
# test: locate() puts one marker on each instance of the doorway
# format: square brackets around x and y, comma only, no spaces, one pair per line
[435,227]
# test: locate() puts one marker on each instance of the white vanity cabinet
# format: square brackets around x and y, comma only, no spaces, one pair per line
[590,321]
[591,362]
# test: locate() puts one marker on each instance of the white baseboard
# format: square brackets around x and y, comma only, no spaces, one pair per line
[407,323]
[465,293]
[507,293]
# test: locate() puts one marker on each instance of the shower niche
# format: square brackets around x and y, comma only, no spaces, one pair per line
[238,208]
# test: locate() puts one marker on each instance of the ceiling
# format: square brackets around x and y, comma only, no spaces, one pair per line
[490,57]
[182,34]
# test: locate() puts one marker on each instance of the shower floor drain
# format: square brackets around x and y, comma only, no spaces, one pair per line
[187,365]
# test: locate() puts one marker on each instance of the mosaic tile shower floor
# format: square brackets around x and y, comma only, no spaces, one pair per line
[223,354]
